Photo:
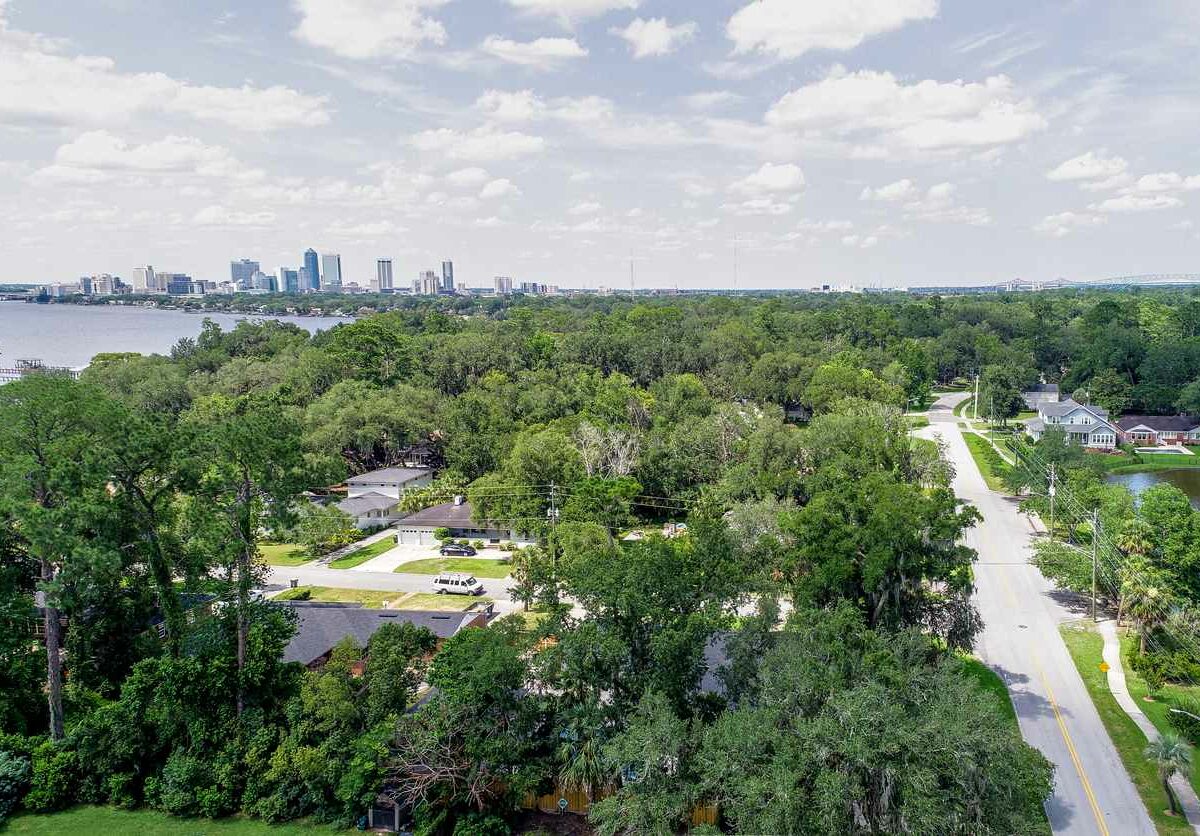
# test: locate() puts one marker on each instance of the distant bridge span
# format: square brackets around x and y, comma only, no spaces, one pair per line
[1147,279]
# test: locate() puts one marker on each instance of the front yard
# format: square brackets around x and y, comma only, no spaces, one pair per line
[374,599]
[283,554]
[109,820]
[361,556]
[480,567]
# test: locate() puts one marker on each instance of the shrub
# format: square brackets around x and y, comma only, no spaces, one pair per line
[481,824]
[1185,717]
[479,544]
[14,782]
[55,772]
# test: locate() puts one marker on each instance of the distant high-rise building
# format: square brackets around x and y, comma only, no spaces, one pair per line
[448,276]
[430,283]
[383,275]
[311,280]
[416,287]
[143,280]
[331,272]
[241,273]
[503,285]
[262,281]
[288,280]
[180,284]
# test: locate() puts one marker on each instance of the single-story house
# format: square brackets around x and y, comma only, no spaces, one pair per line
[322,626]
[1084,424]
[389,481]
[1159,430]
[1042,393]
[418,529]
[371,510]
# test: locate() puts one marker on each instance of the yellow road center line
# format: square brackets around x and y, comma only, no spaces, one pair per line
[1062,725]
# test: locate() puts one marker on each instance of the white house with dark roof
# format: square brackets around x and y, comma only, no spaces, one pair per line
[389,481]
[371,510]
[418,529]
[1084,424]
[1159,430]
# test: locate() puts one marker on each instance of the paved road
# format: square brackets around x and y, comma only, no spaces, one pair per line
[1021,642]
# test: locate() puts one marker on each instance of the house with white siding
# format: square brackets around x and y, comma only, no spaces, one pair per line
[1084,424]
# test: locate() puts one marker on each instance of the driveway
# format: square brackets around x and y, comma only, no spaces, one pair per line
[1020,642]
[389,561]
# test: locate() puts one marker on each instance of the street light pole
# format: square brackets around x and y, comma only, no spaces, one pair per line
[975,400]
[1053,490]
[1095,546]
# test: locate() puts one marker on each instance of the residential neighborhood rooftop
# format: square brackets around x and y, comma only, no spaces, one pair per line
[322,626]
[389,474]
[446,515]
[356,505]
[1063,408]
[1159,423]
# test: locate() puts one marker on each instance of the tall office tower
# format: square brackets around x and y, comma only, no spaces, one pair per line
[241,273]
[383,275]
[430,283]
[331,272]
[262,281]
[312,265]
[416,287]
[448,276]
[143,280]
[503,285]
[289,280]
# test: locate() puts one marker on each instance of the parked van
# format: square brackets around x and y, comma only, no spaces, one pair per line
[457,583]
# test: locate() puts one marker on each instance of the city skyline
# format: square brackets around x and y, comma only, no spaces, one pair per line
[905,142]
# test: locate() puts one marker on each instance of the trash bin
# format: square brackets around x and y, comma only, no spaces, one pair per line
[294,582]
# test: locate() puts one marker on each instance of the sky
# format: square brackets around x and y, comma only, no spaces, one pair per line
[723,143]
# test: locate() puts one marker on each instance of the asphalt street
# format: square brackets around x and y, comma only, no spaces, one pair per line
[1020,641]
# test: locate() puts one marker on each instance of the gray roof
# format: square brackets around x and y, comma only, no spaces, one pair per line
[322,626]
[356,505]
[389,475]
[446,515]
[1159,423]
[1042,389]
[1035,425]
[1066,407]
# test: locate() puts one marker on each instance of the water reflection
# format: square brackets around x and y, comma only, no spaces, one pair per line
[1186,479]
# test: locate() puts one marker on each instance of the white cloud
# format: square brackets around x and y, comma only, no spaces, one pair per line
[892,117]
[468,177]
[489,222]
[502,187]
[788,28]
[514,106]
[771,178]
[1064,223]
[369,28]
[585,208]
[655,37]
[569,12]
[1094,165]
[40,84]
[220,216]
[758,206]
[862,242]
[1167,181]
[1137,203]
[541,54]
[366,230]
[900,190]
[481,145]
[97,156]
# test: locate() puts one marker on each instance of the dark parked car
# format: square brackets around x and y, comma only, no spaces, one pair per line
[456,550]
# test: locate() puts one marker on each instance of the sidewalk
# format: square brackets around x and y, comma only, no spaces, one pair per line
[1116,683]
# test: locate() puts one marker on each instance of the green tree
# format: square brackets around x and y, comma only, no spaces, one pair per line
[1170,756]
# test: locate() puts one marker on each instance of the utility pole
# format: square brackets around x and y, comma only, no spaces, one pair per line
[975,400]
[1095,546]
[1052,491]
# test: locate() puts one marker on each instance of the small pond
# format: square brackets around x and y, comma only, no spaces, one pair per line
[1187,479]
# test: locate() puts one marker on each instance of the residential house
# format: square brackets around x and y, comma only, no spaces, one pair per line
[1159,430]
[1084,424]
[322,626]
[371,510]
[1042,393]
[389,481]
[456,516]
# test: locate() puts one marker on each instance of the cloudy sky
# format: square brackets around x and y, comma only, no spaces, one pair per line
[857,142]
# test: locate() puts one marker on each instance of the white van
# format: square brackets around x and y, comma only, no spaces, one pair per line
[457,583]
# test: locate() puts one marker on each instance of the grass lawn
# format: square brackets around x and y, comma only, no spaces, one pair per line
[370,598]
[107,820]
[1156,710]
[283,554]
[915,422]
[361,556]
[989,681]
[1086,648]
[438,603]
[963,410]
[479,567]
[1148,462]
[987,460]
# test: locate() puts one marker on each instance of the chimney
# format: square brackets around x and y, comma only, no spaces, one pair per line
[458,500]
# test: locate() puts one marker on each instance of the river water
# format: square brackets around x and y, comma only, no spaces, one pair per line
[70,335]
[1186,479]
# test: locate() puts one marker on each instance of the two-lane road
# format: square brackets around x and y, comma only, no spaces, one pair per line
[1021,642]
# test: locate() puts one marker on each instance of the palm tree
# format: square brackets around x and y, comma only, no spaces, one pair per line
[1170,755]
[1136,538]
[1148,600]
